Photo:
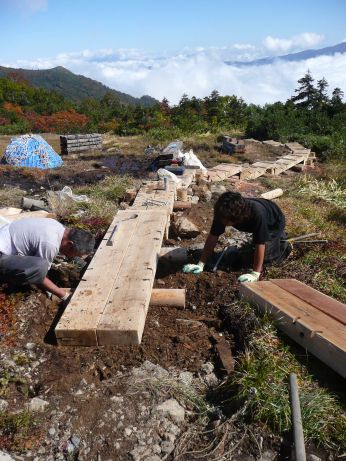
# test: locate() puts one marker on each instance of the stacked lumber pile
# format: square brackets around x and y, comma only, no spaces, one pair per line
[80,142]
[232,145]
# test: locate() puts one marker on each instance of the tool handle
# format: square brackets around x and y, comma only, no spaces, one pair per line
[111,237]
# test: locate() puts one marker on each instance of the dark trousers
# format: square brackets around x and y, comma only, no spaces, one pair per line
[22,270]
[276,251]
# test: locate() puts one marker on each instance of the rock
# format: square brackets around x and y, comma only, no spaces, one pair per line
[312,457]
[268,455]
[3,405]
[127,431]
[173,409]
[207,368]
[37,404]
[186,377]
[6,457]
[184,228]
[124,205]
[203,193]
[167,447]
[149,369]
[194,200]
[30,346]
[217,190]
[52,431]
[152,458]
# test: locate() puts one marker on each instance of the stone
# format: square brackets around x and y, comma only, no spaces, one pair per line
[217,190]
[186,377]
[194,200]
[173,409]
[37,405]
[149,369]
[6,457]
[30,346]
[268,455]
[152,458]
[207,368]
[184,228]
[127,431]
[52,431]
[3,405]
[167,447]
[312,457]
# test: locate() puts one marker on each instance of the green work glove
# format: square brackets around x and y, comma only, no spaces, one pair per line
[252,277]
[193,268]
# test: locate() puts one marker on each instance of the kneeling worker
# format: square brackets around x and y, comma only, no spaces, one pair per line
[261,217]
[29,246]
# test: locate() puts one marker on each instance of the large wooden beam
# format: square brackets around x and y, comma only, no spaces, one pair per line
[319,333]
[123,318]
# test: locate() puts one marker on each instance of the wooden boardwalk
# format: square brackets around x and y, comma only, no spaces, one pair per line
[315,321]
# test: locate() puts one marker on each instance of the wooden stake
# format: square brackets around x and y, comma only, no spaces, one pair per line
[168,297]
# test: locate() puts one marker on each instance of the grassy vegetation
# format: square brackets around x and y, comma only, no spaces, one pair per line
[261,382]
[18,431]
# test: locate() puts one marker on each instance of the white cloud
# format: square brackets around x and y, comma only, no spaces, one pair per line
[195,72]
[301,41]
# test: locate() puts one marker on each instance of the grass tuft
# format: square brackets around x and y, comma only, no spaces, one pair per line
[261,381]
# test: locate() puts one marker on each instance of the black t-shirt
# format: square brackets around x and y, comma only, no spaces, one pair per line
[266,222]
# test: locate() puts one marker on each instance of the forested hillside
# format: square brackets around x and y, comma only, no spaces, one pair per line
[310,116]
[71,86]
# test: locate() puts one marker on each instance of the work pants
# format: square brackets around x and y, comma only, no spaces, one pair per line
[22,270]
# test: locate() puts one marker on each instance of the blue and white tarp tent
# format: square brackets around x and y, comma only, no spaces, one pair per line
[31,150]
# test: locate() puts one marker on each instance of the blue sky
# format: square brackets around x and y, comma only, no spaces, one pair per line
[125,44]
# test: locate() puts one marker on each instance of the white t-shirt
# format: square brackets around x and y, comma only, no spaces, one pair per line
[32,237]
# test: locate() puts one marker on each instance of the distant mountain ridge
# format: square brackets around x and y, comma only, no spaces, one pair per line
[300,56]
[72,86]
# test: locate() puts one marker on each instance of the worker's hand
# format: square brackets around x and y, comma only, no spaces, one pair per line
[252,277]
[65,299]
[193,268]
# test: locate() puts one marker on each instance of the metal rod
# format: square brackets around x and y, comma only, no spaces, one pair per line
[300,237]
[219,259]
[298,435]
[310,241]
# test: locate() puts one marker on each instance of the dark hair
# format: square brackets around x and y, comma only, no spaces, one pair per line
[82,240]
[231,206]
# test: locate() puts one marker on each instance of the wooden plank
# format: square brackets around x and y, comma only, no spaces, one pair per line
[223,171]
[322,302]
[78,324]
[252,173]
[312,329]
[30,214]
[123,319]
[160,197]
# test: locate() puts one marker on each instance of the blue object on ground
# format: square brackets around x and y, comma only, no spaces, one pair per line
[178,170]
[31,150]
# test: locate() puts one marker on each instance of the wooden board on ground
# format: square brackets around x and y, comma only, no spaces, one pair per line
[322,334]
[251,172]
[223,171]
[152,195]
[28,214]
[110,303]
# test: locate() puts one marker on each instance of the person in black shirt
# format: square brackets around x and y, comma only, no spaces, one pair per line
[262,218]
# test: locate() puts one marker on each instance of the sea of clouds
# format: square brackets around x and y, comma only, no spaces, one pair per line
[197,72]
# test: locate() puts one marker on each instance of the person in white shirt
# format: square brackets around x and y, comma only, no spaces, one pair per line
[28,247]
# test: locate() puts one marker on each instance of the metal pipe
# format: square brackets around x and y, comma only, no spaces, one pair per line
[219,259]
[298,435]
